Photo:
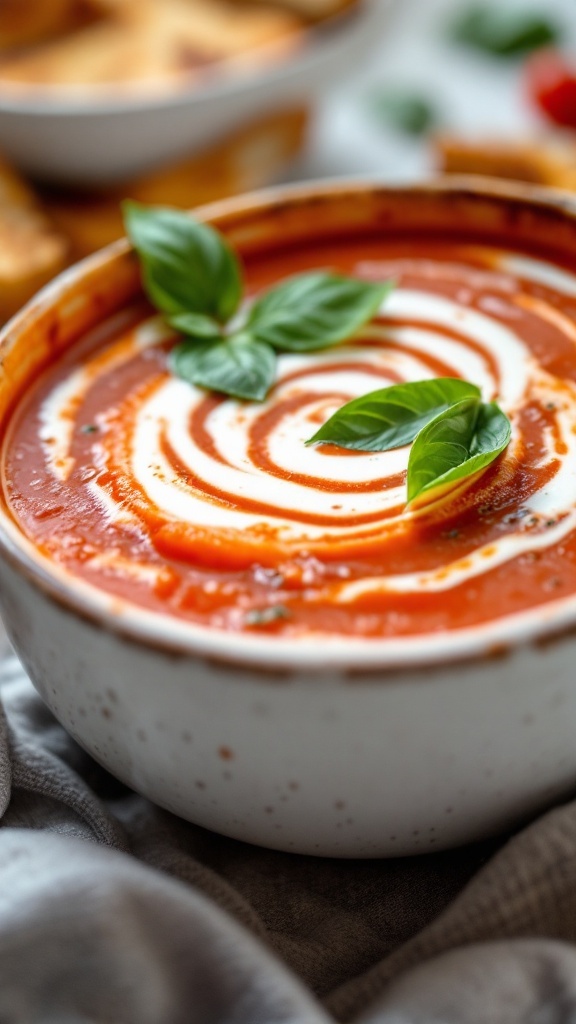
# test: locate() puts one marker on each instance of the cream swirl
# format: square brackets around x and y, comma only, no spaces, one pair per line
[219,482]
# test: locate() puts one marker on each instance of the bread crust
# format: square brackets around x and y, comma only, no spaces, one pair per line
[32,250]
[551,161]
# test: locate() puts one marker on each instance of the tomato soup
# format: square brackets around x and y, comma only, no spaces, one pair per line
[212,510]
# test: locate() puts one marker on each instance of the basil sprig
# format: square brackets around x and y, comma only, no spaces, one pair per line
[455,434]
[392,417]
[457,444]
[313,311]
[192,276]
[239,366]
[187,267]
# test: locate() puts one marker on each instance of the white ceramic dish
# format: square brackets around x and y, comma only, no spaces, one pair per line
[100,136]
[327,746]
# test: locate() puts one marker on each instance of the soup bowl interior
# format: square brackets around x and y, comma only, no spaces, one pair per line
[331,745]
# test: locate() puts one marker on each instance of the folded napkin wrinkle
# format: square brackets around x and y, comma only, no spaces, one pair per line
[87,934]
[527,980]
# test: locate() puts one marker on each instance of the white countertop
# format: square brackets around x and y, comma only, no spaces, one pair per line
[476,94]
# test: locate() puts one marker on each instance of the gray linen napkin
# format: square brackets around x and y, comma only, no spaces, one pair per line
[112,910]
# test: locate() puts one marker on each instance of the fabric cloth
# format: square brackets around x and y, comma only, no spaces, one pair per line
[112,910]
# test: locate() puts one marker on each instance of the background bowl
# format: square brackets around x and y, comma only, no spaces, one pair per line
[100,136]
[342,747]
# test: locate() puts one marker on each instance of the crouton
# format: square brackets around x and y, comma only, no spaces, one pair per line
[551,161]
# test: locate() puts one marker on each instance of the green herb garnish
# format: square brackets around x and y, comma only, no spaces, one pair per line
[502,31]
[393,416]
[455,434]
[238,366]
[193,277]
[187,267]
[403,110]
[265,616]
[457,444]
[313,311]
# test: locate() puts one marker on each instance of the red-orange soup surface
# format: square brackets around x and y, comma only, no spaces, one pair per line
[213,511]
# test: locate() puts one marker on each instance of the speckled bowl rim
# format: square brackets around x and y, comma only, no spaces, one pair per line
[315,653]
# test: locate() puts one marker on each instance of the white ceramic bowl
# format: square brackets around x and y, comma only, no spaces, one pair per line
[338,747]
[98,136]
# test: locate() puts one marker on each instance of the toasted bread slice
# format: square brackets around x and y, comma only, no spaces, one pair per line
[551,161]
[251,158]
[31,249]
[154,40]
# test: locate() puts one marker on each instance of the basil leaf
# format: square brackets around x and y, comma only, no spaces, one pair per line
[313,311]
[196,325]
[403,110]
[458,443]
[504,32]
[392,417]
[240,366]
[187,267]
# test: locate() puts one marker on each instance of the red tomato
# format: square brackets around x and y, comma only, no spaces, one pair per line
[551,83]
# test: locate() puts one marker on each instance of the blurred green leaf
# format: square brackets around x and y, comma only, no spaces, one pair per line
[405,111]
[504,32]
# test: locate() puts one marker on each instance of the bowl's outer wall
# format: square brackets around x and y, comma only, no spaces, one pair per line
[336,766]
[341,763]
